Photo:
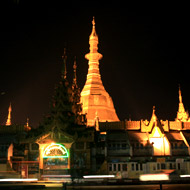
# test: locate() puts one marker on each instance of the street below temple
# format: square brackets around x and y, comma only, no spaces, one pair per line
[60,186]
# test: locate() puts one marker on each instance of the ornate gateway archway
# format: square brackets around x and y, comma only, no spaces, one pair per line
[54,153]
[55,158]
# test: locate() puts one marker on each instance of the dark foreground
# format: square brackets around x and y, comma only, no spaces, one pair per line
[59,186]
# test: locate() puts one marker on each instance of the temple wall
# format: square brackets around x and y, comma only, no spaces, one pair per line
[132,125]
[174,125]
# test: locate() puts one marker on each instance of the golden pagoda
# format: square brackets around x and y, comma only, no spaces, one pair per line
[182,115]
[96,102]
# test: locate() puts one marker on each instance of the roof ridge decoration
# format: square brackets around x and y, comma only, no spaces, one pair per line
[147,126]
[154,117]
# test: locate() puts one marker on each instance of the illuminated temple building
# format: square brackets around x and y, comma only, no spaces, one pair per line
[83,135]
[137,147]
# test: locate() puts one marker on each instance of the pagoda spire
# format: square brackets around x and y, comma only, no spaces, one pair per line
[9,116]
[182,115]
[94,98]
[64,68]
[180,96]
[93,37]
[76,107]
[93,41]
[74,74]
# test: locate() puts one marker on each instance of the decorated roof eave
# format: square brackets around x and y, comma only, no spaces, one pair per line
[51,136]
[154,122]
[62,137]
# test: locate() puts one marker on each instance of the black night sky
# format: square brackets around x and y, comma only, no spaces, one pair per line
[145,51]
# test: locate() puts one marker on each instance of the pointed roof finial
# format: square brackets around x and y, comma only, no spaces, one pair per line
[154,117]
[10,108]
[93,21]
[93,34]
[64,68]
[74,65]
[153,110]
[180,96]
[9,116]
[27,127]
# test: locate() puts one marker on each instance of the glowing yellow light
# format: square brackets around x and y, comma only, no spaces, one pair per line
[18,180]
[157,133]
[185,175]
[154,177]
[55,150]
[98,176]
[160,142]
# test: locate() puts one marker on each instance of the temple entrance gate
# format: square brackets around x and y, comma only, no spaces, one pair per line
[55,159]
